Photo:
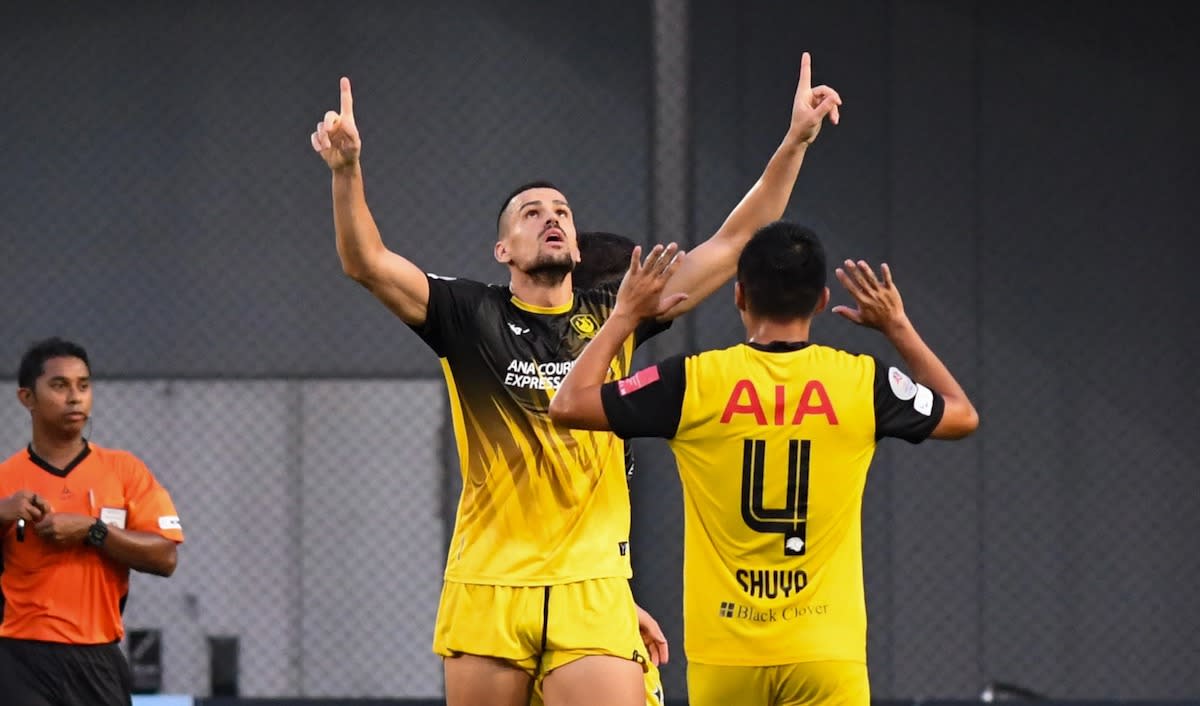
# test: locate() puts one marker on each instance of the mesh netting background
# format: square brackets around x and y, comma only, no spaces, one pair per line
[1027,170]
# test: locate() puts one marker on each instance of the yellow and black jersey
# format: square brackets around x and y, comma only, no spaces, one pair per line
[540,504]
[773,445]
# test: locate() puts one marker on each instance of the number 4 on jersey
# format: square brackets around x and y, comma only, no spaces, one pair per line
[791,520]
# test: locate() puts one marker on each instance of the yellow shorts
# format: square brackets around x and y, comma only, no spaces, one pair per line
[539,628]
[810,683]
[654,688]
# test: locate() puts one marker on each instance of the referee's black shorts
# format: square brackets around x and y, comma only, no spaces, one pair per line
[53,674]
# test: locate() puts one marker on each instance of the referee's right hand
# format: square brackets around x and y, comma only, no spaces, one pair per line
[23,505]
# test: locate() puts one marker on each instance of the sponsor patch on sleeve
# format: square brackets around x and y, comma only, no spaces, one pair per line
[169,522]
[902,385]
[638,380]
[924,401]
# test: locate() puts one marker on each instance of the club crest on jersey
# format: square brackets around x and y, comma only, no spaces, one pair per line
[585,325]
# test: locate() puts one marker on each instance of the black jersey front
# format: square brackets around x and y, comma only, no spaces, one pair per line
[540,504]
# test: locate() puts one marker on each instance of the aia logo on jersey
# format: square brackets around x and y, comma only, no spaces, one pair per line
[746,400]
[585,325]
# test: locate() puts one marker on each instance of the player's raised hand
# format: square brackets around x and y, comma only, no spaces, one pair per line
[336,137]
[812,105]
[879,303]
[640,294]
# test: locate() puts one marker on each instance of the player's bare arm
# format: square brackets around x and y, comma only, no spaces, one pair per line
[394,280]
[577,402]
[141,551]
[712,263]
[880,307]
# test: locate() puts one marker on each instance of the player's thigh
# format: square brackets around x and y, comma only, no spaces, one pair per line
[832,683]
[594,652]
[652,683]
[596,680]
[721,685]
[485,681]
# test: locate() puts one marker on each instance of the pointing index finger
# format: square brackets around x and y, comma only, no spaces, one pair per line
[347,98]
[805,72]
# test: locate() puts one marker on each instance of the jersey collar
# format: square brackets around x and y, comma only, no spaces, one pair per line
[60,472]
[779,346]
[535,309]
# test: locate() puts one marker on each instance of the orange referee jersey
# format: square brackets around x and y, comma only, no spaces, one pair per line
[75,595]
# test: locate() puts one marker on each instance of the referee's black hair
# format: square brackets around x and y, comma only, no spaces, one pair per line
[33,362]
[782,271]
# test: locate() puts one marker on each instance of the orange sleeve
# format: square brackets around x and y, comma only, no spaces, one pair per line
[6,476]
[150,506]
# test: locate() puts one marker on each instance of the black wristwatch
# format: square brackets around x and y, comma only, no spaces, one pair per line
[96,535]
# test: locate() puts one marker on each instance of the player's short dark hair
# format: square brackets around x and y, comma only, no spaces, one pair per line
[33,362]
[603,258]
[539,184]
[782,271]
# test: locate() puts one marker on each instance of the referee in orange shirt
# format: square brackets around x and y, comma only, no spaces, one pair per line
[74,519]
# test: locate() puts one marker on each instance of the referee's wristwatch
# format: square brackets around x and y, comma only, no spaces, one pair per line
[96,535]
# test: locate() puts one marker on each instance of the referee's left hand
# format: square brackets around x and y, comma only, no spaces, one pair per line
[64,529]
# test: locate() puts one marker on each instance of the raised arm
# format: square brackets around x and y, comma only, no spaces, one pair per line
[577,403]
[394,280]
[880,307]
[714,262]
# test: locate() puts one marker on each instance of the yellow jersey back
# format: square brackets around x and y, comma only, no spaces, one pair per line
[773,444]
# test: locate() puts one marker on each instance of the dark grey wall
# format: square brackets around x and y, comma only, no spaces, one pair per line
[1029,169]
[166,207]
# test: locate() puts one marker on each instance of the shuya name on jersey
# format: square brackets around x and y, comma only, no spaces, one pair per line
[771,583]
[531,375]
